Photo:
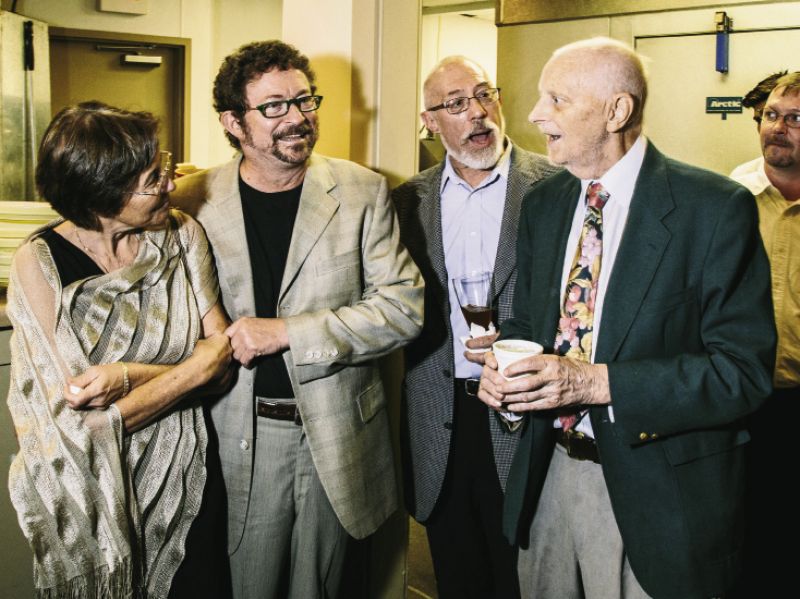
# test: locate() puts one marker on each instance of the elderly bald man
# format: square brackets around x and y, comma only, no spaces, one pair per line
[647,281]
[457,217]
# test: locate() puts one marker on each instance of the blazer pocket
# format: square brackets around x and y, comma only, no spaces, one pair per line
[694,446]
[669,301]
[339,262]
[371,401]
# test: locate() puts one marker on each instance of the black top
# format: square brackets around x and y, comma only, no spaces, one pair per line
[268,223]
[71,262]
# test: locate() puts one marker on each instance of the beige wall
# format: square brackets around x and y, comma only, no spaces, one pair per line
[231,23]
[524,49]
[327,41]
[364,53]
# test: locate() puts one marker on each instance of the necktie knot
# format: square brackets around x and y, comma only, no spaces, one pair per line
[596,195]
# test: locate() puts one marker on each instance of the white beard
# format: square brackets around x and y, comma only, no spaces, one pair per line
[481,158]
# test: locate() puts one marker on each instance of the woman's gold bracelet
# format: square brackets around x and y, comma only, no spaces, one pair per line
[126,381]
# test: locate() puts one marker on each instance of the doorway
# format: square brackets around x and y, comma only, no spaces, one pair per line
[132,72]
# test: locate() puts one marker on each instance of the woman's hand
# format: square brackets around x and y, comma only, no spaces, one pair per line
[97,387]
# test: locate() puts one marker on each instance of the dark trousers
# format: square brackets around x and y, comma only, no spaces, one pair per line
[204,572]
[771,514]
[471,558]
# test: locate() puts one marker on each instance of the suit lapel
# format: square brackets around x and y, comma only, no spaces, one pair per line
[317,207]
[551,233]
[644,241]
[230,241]
[506,259]
[430,218]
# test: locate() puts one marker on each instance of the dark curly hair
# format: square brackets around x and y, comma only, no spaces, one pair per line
[90,158]
[248,63]
[756,97]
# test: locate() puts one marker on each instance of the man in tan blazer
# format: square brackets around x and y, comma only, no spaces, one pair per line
[318,285]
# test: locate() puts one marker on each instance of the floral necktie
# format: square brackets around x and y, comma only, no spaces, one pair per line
[574,337]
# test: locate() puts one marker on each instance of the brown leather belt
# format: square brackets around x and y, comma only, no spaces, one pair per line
[578,445]
[278,410]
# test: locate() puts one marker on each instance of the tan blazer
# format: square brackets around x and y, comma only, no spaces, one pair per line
[350,294]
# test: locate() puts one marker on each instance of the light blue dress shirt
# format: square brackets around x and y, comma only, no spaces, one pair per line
[471,220]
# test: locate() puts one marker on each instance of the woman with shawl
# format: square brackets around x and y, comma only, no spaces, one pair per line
[118,329]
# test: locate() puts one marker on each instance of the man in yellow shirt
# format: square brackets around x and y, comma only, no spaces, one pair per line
[774,179]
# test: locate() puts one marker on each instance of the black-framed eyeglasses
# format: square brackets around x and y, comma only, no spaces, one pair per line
[791,119]
[485,97]
[165,173]
[275,108]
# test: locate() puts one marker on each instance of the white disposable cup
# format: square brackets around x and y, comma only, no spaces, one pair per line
[508,351]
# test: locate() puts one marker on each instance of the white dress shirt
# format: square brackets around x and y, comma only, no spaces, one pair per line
[619,181]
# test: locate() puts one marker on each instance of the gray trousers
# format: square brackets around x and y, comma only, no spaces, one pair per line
[575,548]
[293,545]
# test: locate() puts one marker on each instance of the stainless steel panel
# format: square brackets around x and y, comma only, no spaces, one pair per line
[24,105]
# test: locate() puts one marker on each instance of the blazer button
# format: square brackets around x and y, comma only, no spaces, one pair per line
[244,445]
[448,425]
[643,436]
[447,374]
[654,436]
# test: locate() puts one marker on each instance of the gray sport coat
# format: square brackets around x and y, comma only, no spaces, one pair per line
[350,294]
[428,386]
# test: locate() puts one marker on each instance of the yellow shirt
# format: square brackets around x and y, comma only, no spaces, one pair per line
[779,223]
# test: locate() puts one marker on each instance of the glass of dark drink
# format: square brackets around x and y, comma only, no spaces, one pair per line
[474,297]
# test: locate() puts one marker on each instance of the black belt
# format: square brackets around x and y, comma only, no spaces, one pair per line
[578,445]
[278,410]
[470,386]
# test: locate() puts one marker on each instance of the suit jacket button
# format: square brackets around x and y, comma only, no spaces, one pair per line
[448,425]
[654,436]
[447,374]
[643,436]
[244,445]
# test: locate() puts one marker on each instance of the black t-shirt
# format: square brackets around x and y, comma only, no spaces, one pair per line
[71,261]
[268,223]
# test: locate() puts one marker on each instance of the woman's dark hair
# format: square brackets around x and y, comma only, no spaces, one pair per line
[248,63]
[90,159]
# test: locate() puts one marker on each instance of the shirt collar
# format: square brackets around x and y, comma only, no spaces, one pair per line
[755,177]
[620,180]
[500,170]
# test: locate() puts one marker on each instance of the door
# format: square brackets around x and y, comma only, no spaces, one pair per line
[134,74]
[682,75]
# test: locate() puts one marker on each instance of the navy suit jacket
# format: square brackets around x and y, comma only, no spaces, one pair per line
[689,338]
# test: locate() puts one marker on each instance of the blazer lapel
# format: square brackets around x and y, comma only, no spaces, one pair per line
[506,259]
[230,241]
[643,244]
[317,207]
[551,232]
[430,218]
